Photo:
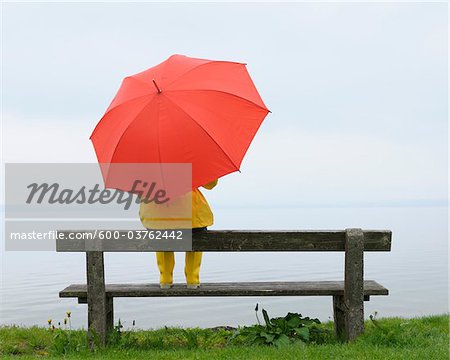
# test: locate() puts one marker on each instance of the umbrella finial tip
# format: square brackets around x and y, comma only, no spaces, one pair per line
[157,87]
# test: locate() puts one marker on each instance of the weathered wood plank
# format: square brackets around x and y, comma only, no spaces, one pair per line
[240,240]
[354,284]
[283,288]
[109,313]
[339,316]
[330,240]
[96,298]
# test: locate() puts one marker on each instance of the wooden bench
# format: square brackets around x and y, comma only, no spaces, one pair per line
[348,295]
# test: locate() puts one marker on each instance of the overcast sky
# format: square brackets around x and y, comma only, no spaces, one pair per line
[358,92]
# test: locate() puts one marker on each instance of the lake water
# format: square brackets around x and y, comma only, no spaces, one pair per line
[415,272]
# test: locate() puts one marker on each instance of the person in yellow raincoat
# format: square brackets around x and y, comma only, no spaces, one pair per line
[202,217]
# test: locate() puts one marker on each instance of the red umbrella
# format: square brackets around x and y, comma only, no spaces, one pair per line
[184,110]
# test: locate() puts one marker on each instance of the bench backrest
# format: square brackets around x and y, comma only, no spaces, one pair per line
[246,240]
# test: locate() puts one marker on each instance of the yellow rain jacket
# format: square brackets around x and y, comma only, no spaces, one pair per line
[188,211]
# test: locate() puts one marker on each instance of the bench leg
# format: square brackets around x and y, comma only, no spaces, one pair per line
[339,316]
[109,313]
[96,299]
[354,284]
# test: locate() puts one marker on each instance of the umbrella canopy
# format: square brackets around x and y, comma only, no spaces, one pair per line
[184,110]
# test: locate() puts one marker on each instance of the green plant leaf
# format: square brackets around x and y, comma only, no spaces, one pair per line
[294,322]
[268,337]
[303,333]
[282,340]
[292,315]
[279,323]
[266,318]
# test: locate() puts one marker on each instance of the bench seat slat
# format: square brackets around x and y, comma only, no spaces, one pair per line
[300,288]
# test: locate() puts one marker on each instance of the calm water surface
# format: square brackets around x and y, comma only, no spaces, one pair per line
[415,272]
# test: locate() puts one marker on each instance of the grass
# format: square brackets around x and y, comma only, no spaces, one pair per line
[389,338]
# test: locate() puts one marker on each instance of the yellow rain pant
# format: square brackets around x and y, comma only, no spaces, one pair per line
[166,264]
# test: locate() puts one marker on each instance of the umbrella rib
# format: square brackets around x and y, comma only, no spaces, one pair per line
[159,143]
[204,130]
[225,92]
[128,126]
[137,97]
[115,107]
[196,67]
[141,81]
